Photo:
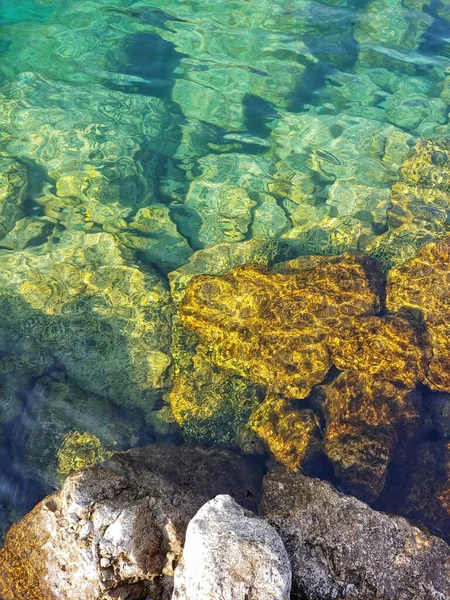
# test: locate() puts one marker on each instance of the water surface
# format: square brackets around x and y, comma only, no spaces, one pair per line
[133,134]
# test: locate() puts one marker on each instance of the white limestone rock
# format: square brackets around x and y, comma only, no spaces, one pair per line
[231,554]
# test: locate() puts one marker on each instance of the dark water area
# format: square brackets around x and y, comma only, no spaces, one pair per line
[135,135]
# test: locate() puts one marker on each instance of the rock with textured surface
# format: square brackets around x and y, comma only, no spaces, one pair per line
[388,347]
[292,435]
[117,529]
[219,259]
[439,405]
[341,548]
[105,321]
[421,288]
[231,554]
[428,491]
[13,188]
[370,422]
[270,327]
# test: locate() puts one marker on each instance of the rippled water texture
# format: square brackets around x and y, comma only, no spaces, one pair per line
[134,135]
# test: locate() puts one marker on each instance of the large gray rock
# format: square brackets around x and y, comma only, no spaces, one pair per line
[340,548]
[231,554]
[116,530]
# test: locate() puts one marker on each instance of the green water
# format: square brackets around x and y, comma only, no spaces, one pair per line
[134,134]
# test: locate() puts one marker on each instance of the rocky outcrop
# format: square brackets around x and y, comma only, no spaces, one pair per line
[231,554]
[116,530]
[341,548]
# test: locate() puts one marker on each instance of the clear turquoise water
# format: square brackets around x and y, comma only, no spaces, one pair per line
[133,134]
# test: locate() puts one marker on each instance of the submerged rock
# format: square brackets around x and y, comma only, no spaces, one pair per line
[17,373]
[210,404]
[341,548]
[79,451]
[231,554]
[293,436]
[439,406]
[155,237]
[420,289]
[77,300]
[13,188]
[220,259]
[387,347]
[117,529]
[227,195]
[370,422]
[281,332]
[89,144]
[428,490]
[419,204]
[224,212]
[270,328]
[420,199]
[64,429]
[330,236]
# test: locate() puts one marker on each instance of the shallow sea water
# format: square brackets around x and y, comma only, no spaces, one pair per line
[134,134]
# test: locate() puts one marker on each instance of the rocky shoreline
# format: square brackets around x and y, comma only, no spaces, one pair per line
[117,531]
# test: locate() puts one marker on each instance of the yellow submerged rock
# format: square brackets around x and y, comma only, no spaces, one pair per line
[208,403]
[78,451]
[293,436]
[270,328]
[388,347]
[368,422]
[421,289]
[78,299]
